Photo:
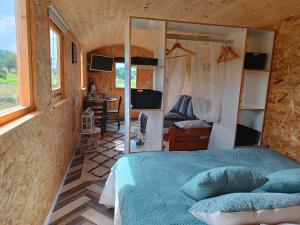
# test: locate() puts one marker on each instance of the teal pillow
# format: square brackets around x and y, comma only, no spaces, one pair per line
[283,181]
[240,202]
[223,180]
[248,208]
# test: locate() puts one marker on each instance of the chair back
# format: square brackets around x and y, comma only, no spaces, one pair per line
[120,102]
[99,107]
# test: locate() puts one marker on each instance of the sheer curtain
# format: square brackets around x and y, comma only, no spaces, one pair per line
[176,69]
[199,76]
[207,81]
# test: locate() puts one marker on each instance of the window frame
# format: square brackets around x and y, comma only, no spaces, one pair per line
[24,66]
[60,91]
[115,68]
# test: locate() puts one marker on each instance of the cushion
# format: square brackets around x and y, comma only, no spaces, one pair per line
[175,116]
[284,181]
[223,180]
[190,112]
[176,107]
[184,105]
[248,208]
[187,124]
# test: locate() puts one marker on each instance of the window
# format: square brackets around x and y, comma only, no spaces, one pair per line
[120,75]
[83,71]
[15,81]
[56,59]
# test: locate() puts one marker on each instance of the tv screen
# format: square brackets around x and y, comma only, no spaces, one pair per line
[101,63]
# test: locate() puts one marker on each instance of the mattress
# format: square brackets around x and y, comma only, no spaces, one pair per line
[147,185]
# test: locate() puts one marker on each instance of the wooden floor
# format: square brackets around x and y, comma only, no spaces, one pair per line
[78,201]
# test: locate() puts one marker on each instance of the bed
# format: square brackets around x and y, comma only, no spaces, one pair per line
[144,187]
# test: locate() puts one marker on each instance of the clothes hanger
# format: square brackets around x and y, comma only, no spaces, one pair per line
[179,46]
[225,54]
[178,56]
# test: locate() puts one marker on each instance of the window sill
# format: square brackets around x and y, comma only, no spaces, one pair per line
[59,103]
[13,113]
[17,122]
[56,92]
[57,98]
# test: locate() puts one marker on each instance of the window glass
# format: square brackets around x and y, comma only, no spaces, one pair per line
[120,75]
[55,60]
[9,91]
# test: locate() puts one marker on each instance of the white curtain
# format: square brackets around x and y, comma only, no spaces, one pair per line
[207,81]
[199,76]
[176,69]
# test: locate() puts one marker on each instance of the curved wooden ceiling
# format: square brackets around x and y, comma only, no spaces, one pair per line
[98,23]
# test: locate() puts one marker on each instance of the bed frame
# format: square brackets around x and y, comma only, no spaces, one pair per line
[188,139]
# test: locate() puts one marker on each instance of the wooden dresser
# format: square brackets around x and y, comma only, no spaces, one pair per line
[189,139]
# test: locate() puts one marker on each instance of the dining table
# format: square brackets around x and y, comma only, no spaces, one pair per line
[94,99]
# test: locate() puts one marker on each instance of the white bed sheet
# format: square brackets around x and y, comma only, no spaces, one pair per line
[109,197]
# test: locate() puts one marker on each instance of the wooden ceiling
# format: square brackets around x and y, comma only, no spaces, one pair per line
[98,23]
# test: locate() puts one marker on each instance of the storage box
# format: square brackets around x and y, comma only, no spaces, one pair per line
[146,99]
[255,61]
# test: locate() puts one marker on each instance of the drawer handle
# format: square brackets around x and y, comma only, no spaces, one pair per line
[203,137]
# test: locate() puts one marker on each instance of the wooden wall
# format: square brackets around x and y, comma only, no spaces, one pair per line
[105,81]
[35,150]
[282,124]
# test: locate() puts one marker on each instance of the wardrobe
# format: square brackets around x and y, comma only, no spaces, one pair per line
[244,91]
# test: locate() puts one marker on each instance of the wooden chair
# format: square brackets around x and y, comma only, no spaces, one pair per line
[100,113]
[114,114]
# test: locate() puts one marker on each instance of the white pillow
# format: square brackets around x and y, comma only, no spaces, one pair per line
[187,124]
[248,208]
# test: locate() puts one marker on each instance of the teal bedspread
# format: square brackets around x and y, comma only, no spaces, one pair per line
[148,184]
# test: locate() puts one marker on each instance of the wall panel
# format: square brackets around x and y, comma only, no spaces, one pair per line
[34,155]
[282,128]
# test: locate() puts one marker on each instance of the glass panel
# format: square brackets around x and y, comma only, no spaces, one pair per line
[120,75]
[9,94]
[55,59]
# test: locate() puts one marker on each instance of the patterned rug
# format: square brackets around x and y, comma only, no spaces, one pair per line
[77,203]
[108,149]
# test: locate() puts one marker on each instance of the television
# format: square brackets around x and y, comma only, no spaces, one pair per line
[101,63]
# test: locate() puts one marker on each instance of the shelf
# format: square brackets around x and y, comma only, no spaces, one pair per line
[147,66]
[254,70]
[149,110]
[253,109]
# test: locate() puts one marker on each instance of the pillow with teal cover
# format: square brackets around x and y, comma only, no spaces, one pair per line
[223,180]
[283,181]
[240,202]
[248,208]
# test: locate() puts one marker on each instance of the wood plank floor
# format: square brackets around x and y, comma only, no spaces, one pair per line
[77,203]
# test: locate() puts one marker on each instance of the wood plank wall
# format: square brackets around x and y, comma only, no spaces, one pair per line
[105,81]
[34,154]
[282,128]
